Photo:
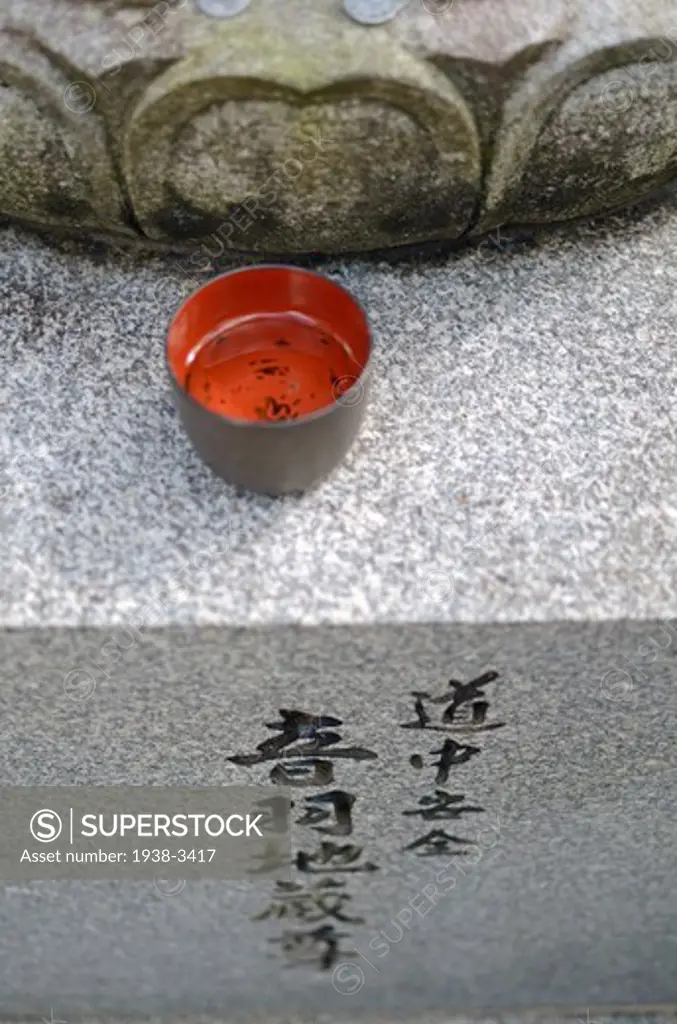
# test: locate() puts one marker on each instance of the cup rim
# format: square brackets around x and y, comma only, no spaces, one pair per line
[310,417]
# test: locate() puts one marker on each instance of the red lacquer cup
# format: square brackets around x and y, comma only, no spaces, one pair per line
[269,371]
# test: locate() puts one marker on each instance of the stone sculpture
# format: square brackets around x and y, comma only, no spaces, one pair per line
[291,128]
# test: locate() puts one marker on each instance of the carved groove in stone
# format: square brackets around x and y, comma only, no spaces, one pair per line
[312,155]
[54,165]
[310,133]
[583,119]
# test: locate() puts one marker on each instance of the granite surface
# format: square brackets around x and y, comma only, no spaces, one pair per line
[518,460]
[584,1015]
[571,901]
[517,467]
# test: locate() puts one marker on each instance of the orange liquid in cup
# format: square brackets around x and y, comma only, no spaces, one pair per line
[270,367]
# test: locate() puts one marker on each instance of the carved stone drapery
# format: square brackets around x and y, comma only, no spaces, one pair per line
[291,129]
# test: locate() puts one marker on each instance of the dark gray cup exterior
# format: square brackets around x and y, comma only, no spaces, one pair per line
[274,458]
[277,458]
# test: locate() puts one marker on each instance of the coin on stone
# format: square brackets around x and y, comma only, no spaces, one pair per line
[223,8]
[373,12]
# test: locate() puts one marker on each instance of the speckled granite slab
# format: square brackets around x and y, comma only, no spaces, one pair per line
[568,896]
[518,460]
[517,469]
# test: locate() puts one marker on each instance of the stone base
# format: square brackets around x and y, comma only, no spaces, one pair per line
[517,467]
[567,897]
[291,129]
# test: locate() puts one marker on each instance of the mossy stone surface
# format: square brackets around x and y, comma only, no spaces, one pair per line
[292,129]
